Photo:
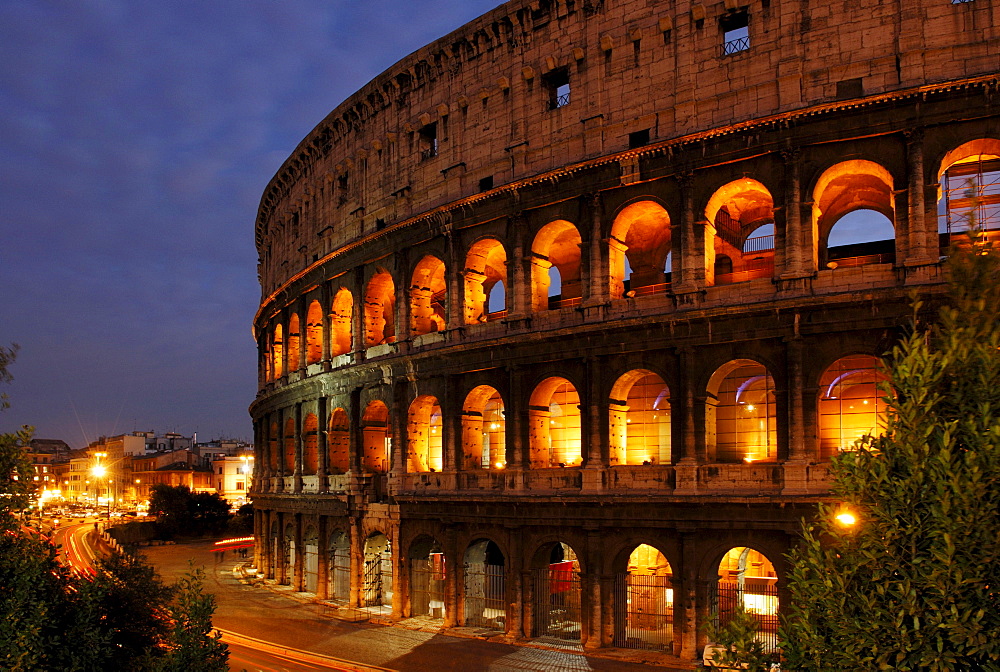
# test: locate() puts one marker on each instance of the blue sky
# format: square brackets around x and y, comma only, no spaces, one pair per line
[135,141]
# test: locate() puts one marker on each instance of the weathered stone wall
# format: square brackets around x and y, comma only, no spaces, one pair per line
[632,66]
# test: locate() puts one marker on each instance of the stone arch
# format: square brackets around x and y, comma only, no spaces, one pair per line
[640,241]
[339,557]
[428,296]
[639,419]
[341,318]
[847,187]
[969,187]
[554,424]
[485,268]
[557,244]
[485,585]
[338,442]
[484,429]
[289,446]
[314,333]
[735,211]
[644,604]
[850,403]
[380,304]
[428,568]
[424,435]
[277,351]
[375,434]
[557,609]
[294,342]
[376,589]
[310,445]
[740,413]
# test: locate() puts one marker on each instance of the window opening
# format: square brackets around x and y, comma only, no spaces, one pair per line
[557,83]
[486,183]
[735,32]
[970,192]
[428,141]
[638,139]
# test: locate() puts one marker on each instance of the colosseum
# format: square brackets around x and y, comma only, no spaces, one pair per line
[564,314]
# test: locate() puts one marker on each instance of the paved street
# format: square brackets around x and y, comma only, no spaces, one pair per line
[292,626]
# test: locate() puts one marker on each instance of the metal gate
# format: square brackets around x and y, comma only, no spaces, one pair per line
[341,574]
[427,586]
[373,581]
[758,597]
[557,610]
[485,599]
[644,611]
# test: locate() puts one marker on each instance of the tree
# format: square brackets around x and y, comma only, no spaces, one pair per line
[180,510]
[194,646]
[914,584]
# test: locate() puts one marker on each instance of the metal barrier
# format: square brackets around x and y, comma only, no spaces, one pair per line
[644,612]
[427,588]
[485,596]
[557,610]
[759,597]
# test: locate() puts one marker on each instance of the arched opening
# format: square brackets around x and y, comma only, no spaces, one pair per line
[341,316]
[741,409]
[380,303]
[375,431]
[376,589]
[294,340]
[314,333]
[638,249]
[274,454]
[427,577]
[554,425]
[423,435]
[289,446]
[557,245]
[644,601]
[277,351]
[340,567]
[969,191]
[338,442]
[310,445]
[850,403]
[639,410]
[742,214]
[485,280]
[485,586]
[484,430]
[747,578]
[428,290]
[310,559]
[861,187]
[556,587]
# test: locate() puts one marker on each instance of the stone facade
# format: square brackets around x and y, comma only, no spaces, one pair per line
[550,307]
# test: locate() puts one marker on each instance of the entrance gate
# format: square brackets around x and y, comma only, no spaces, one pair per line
[644,611]
[485,599]
[557,610]
[427,586]
[759,598]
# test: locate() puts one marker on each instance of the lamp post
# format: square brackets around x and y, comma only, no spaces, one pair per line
[100,471]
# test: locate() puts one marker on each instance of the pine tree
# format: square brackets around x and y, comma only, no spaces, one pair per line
[915,584]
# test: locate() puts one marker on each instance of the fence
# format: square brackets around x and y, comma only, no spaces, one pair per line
[759,597]
[485,596]
[644,612]
[557,603]
[427,587]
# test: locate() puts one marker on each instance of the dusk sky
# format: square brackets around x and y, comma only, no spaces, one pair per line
[136,139]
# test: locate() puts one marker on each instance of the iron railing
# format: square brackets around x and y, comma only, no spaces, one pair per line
[736,46]
[644,612]
[557,611]
[427,589]
[759,597]
[485,596]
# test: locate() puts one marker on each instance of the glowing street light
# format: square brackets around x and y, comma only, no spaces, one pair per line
[845,517]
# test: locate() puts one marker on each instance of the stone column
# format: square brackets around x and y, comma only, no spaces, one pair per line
[326,309]
[797,257]
[592,423]
[298,567]
[402,297]
[323,445]
[357,316]
[399,575]
[519,284]
[686,612]
[598,266]
[297,474]
[923,244]
[453,567]
[456,301]
[686,468]
[323,546]
[357,562]
[686,262]
[303,329]
[280,447]
[590,635]
[451,427]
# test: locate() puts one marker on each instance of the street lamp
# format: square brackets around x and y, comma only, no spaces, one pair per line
[100,471]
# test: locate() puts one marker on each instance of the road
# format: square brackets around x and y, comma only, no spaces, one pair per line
[278,632]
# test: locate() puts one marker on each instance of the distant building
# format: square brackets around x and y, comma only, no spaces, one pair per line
[232,476]
[50,459]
